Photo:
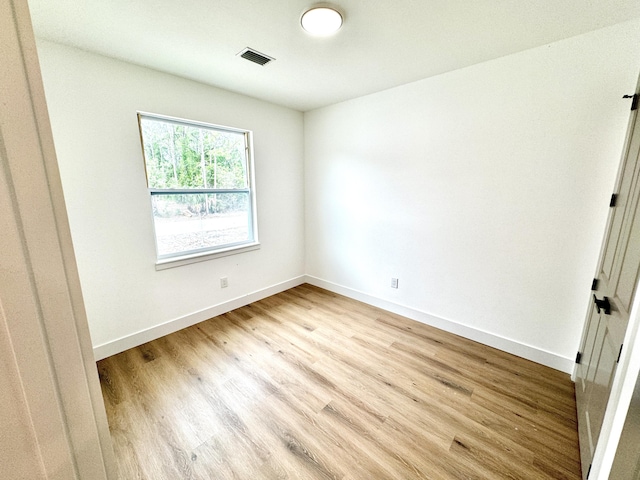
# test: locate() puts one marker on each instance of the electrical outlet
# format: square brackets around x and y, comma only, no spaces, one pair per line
[224,282]
[394,283]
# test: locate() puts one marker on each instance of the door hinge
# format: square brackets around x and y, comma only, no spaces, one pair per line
[634,102]
[578,358]
[619,353]
[614,199]
[594,284]
[589,471]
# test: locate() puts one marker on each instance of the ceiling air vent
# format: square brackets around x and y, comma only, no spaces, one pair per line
[255,56]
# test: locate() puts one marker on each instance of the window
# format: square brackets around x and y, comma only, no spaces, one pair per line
[201,188]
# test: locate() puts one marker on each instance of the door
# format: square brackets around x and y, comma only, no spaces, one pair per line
[611,301]
[48,374]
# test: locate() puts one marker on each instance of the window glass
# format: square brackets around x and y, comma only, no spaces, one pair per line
[199,181]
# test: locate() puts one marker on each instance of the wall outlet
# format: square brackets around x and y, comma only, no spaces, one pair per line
[394,283]
[224,282]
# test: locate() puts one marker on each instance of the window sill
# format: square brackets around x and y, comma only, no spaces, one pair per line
[204,256]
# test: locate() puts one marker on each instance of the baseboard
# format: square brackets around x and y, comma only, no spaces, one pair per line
[505,344]
[143,336]
[486,338]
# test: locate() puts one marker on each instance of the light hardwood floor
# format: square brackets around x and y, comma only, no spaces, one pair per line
[308,384]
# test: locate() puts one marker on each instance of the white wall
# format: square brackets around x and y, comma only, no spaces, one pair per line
[92,104]
[484,190]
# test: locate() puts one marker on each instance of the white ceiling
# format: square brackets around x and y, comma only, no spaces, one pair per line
[382,43]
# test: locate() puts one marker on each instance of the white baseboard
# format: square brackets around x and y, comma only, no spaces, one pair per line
[486,338]
[505,344]
[130,341]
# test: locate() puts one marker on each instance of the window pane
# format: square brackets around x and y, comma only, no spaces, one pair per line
[191,222]
[184,156]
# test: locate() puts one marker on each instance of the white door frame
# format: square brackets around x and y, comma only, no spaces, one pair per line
[626,373]
[43,324]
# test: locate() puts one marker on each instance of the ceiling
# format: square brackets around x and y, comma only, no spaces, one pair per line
[382,44]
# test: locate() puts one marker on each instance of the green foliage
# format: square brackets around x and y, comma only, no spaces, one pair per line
[191,157]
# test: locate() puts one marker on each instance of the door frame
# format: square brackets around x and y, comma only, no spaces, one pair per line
[42,314]
[628,366]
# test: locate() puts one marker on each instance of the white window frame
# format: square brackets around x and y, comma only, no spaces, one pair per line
[206,253]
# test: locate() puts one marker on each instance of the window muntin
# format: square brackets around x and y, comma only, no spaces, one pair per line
[200,182]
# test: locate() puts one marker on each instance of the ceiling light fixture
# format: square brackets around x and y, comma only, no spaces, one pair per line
[321,21]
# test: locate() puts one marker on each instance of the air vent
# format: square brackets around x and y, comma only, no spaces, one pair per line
[255,56]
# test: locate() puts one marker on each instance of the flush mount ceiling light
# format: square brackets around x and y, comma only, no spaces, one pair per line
[321,21]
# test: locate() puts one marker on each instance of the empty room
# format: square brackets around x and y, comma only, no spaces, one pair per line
[350,240]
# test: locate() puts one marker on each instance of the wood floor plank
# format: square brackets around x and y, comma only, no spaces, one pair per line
[308,384]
